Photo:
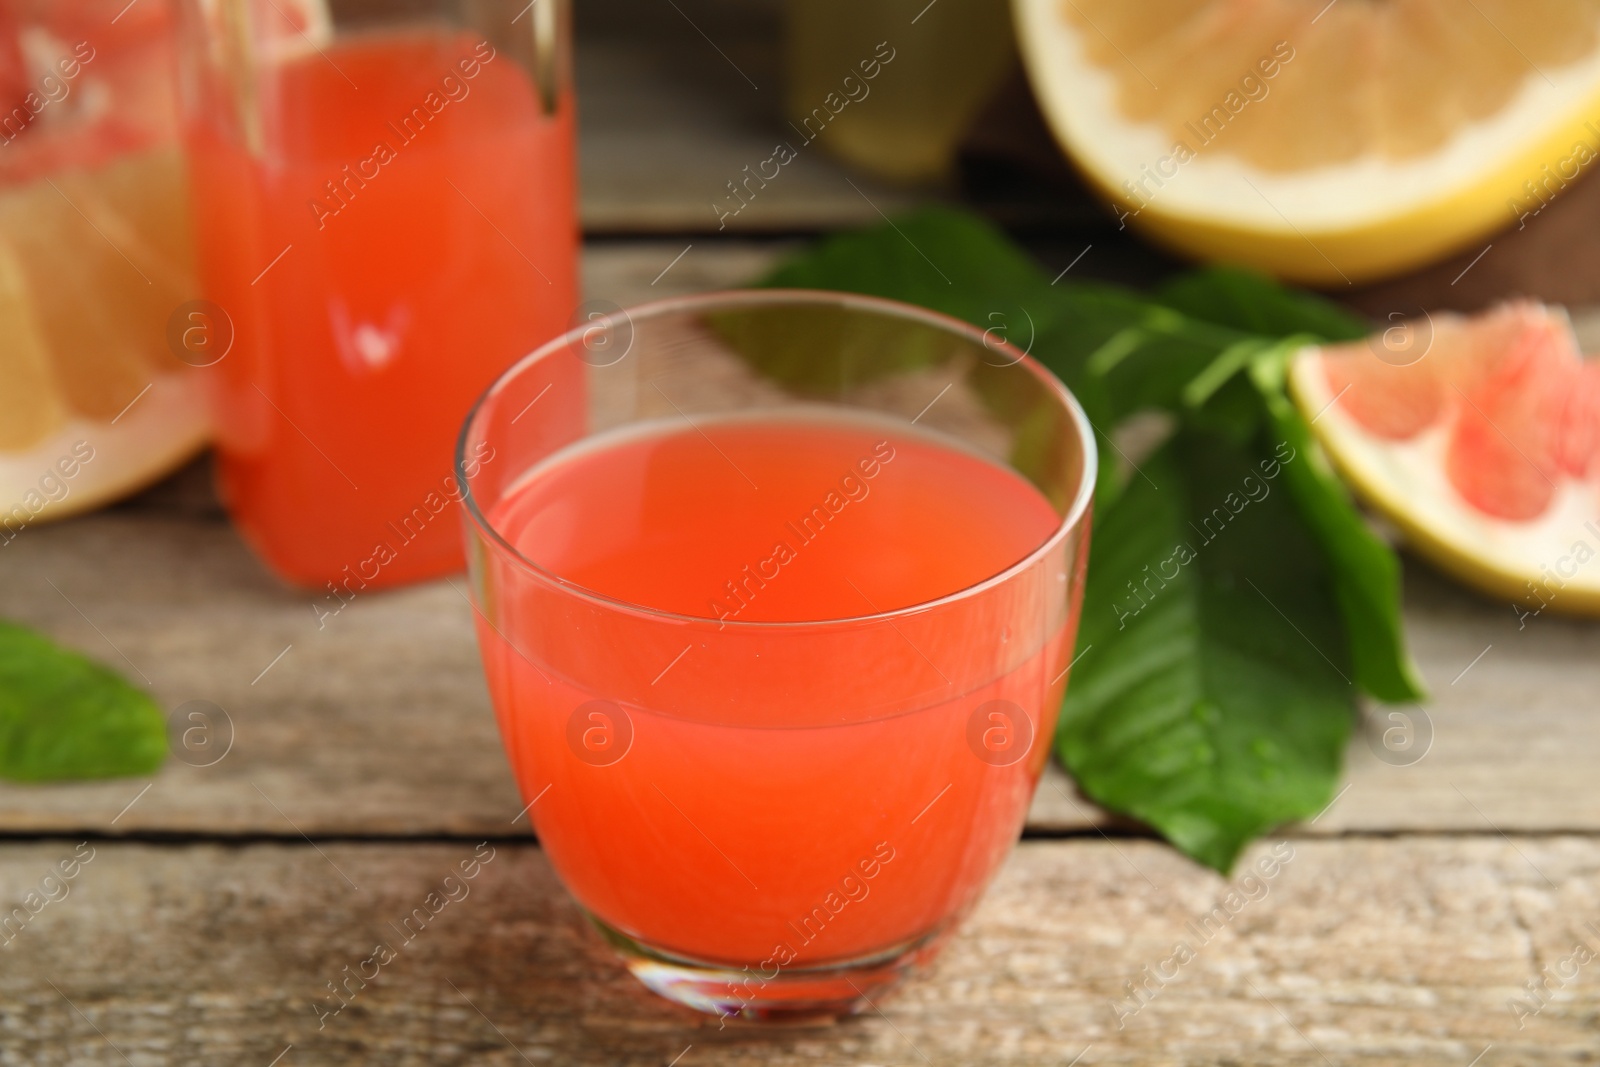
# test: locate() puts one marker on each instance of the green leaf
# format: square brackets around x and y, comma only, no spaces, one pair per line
[1212,699]
[822,350]
[1117,351]
[1366,572]
[1140,353]
[943,260]
[64,716]
[1221,708]
[938,258]
[1245,300]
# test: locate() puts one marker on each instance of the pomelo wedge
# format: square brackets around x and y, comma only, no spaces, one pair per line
[95,254]
[1330,143]
[1480,439]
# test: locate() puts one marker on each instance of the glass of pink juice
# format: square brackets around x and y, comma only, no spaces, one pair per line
[384,212]
[776,593]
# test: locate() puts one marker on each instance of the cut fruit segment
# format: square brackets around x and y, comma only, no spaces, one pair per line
[1392,400]
[1579,436]
[95,249]
[1479,442]
[88,276]
[94,258]
[1328,143]
[106,330]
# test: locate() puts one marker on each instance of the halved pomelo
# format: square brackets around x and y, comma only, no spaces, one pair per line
[91,265]
[1479,438]
[94,257]
[95,254]
[1325,142]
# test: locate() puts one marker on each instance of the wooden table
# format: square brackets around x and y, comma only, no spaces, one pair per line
[221,899]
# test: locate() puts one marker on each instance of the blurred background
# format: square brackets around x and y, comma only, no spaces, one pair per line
[700,128]
[666,121]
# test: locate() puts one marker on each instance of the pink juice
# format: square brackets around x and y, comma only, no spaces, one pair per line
[779,796]
[398,230]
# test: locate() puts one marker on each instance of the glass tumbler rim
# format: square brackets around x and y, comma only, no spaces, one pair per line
[1075,513]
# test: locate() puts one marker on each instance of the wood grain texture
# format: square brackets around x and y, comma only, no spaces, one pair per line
[1355,952]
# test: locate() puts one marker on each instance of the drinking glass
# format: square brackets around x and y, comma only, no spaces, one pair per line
[384,205]
[773,818]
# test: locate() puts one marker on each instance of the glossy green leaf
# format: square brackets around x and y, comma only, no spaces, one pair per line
[64,716]
[1245,300]
[936,258]
[1366,572]
[1212,698]
[1220,708]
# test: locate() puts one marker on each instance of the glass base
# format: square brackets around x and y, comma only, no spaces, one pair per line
[788,994]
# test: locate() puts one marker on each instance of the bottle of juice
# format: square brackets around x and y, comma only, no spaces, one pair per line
[385,219]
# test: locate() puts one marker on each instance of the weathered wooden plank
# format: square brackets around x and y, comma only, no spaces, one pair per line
[378,722]
[1352,952]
